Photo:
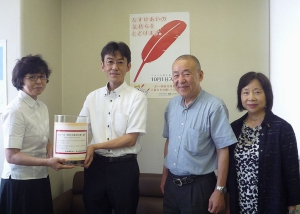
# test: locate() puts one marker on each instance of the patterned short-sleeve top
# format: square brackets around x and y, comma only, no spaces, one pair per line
[246,164]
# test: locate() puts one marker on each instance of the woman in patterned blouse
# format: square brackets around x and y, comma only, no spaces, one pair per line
[263,173]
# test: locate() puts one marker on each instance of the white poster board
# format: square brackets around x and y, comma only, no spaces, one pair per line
[156,40]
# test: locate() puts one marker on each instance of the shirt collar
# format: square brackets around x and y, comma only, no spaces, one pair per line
[27,99]
[118,90]
[266,121]
[197,98]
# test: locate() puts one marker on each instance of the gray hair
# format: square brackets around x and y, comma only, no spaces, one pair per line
[192,57]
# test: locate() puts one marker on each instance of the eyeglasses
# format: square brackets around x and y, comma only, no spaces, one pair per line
[119,63]
[34,78]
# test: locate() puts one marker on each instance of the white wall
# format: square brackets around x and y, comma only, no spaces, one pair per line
[285,55]
[10,31]
[284,61]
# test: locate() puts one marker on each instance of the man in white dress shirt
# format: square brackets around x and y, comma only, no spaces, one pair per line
[117,114]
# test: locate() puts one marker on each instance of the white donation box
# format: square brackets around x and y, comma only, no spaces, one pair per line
[70,138]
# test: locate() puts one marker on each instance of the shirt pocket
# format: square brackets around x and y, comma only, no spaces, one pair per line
[197,142]
[120,125]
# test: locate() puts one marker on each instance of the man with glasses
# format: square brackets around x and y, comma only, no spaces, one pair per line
[117,114]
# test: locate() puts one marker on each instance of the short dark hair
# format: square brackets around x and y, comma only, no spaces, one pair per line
[28,65]
[113,47]
[265,83]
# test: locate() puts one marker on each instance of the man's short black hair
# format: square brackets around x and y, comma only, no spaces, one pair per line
[113,47]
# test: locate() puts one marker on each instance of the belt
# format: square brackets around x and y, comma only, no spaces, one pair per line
[184,180]
[124,158]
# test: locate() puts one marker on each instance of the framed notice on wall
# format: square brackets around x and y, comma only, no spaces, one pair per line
[3,86]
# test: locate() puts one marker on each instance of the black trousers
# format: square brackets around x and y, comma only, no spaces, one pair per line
[190,198]
[26,196]
[111,186]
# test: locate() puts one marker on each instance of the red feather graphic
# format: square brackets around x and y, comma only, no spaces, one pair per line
[160,42]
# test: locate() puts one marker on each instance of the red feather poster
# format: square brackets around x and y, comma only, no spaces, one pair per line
[156,40]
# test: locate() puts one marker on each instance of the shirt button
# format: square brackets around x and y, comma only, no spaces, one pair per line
[110,100]
[107,138]
[108,126]
[179,137]
[182,124]
[174,164]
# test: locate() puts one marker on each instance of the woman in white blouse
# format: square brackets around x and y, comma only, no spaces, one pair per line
[25,184]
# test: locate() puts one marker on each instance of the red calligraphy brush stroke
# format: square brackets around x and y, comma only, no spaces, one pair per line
[160,42]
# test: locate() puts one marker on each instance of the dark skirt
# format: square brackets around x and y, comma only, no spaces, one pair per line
[26,196]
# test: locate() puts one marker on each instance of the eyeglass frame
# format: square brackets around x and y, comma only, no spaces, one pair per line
[118,62]
[36,77]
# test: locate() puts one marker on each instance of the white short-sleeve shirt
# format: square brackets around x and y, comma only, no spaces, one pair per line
[111,115]
[25,124]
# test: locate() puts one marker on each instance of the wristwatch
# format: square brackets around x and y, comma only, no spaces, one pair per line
[222,189]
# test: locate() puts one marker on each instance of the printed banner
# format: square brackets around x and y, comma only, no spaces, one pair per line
[156,40]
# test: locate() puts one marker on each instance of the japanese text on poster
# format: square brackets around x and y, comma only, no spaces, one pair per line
[156,40]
